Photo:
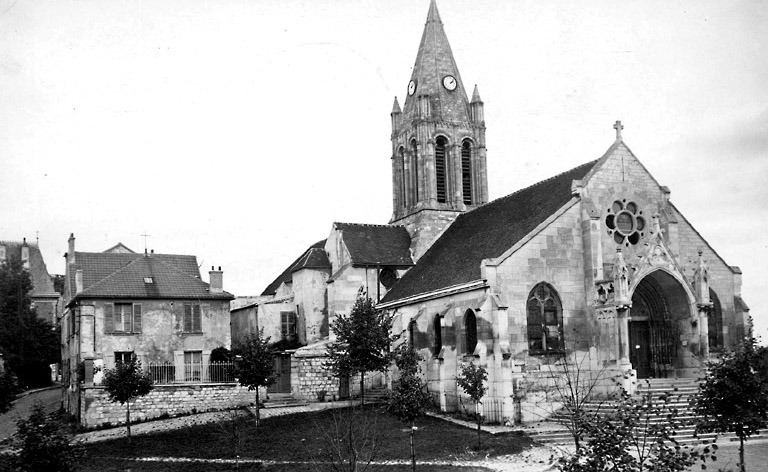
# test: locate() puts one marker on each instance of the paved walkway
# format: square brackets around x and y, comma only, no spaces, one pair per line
[50,398]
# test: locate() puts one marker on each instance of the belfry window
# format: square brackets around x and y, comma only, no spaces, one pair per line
[544,320]
[401,155]
[466,172]
[440,175]
[415,173]
[470,331]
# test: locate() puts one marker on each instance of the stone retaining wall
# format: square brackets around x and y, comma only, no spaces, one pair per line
[171,400]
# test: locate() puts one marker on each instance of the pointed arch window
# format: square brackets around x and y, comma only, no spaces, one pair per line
[466,171]
[412,332]
[715,323]
[440,169]
[470,331]
[415,173]
[545,321]
[401,155]
[438,327]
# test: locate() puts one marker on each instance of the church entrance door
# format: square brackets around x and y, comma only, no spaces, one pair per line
[659,304]
[639,348]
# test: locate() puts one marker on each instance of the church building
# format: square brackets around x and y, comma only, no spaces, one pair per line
[594,264]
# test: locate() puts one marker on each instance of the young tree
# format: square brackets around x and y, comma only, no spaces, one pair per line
[363,340]
[125,383]
[471,381]
[410,399]
[636,435]
[734,395]
[255,365]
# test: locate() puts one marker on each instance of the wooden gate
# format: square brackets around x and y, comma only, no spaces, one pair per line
[282,374]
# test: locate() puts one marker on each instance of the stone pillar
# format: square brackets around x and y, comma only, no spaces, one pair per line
[704,332]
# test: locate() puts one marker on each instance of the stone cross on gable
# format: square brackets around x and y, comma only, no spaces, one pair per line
[618,127]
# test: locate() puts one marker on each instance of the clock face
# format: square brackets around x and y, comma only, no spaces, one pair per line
[449,82]
[411,87]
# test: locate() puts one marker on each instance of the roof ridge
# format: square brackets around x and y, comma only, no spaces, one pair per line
[370,225]
[541,182]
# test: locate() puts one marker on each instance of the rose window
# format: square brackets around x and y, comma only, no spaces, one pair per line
[625,222]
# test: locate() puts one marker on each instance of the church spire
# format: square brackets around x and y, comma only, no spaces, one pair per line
[436,75]
[438,143]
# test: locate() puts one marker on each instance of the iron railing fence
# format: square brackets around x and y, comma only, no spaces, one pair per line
[491,409]
[191,372]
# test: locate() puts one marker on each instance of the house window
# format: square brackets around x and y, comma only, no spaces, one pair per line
[438,326]
[193,366]
[123,356]
[466,172]
[470,331]
[287,325]
[122,318]
[192,322]
[544,320]
[440,175]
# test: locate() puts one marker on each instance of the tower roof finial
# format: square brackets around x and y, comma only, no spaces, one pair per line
[618,127]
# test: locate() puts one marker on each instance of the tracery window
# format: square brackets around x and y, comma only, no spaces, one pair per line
[401,155]
[470,331]
[545,317]
[625,222]
[440,175]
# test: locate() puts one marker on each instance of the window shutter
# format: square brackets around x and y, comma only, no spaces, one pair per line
[196,319]
[108,317]
[137,318]
[187,318]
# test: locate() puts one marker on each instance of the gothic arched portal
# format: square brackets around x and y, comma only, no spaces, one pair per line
[659,310]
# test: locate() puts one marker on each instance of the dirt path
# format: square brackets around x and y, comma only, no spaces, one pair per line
[50,399]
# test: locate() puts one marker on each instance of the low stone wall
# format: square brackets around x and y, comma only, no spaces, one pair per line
[312,377]
[172,400]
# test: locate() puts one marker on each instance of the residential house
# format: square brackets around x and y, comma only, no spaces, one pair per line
[155,307]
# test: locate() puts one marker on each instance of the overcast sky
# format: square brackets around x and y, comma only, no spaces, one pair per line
[239,131]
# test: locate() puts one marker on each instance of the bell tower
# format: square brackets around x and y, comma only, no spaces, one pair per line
[438,143]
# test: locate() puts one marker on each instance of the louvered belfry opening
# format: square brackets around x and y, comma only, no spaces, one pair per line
[440,169]
[466,172]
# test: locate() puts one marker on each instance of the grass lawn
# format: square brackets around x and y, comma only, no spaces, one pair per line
[301,441]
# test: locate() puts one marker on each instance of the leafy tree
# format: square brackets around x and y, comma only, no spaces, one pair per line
[363,340]
[125,383]
[734,395]
[28,344]
[44,445]
[471,381]
[628,439]
[8,391]
[410,399]
[255,366]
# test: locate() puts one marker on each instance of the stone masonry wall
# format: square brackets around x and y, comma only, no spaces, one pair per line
[173,400]
[314,378]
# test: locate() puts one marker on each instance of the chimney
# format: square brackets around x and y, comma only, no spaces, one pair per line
[216,280]
[25,254]
[79,281]
[71,251]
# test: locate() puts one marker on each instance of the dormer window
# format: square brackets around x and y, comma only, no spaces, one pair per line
[148,280]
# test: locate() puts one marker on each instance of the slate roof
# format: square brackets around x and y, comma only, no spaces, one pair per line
[314,257]
[384,245]
[121,275]
[485,232]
